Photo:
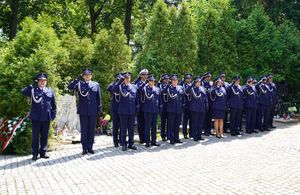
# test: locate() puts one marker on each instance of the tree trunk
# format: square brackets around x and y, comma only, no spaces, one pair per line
[92,18]
[128,13]
[13,21]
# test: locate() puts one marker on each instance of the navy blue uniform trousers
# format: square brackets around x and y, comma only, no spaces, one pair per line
[174,120]
[87,125]
[116,126]
[186,121]
[150,126]
[127,125]
[250,119]
[39,141]
[163,123]
[141,125]
[235,119]
[207,122]
[197,124]
[263,116]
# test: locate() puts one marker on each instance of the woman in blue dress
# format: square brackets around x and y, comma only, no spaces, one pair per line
[218,96]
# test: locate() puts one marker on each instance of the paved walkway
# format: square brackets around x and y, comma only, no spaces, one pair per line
[265,163]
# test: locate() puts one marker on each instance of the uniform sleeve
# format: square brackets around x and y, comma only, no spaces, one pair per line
[110,86]
[99,101]
[53,107]
[27,90]
[115,87]
[74,84]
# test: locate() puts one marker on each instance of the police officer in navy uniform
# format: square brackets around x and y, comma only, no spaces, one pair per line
[164,81]
[218,96]
[236,103]
[114,105]
[174,108]
[43,110]
[250,99]
[140,82]
[274,96]
[264,102]
[127,109]
[88,108]
[226,85]
[186,112]
[151,105]
[206,83]
[198,107]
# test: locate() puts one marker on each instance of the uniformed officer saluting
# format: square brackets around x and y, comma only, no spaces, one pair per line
[236,103]
[198,107]
[218,96]
[88,108]
[114,105]
[151,105]
[140,82]
[250,98]
[174,108]
[127,109]
[264,102]
[186,112]
[43,110]
[164,81]
[206,80]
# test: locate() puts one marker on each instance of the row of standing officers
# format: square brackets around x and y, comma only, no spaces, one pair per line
[193,102]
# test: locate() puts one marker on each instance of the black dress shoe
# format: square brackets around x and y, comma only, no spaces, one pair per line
[196,140]
[185,137]
[124,148]
[207,134]
[34,158]
[132,147]
[84,152]
[142,142]
[164,139]
[178,141]
[44,156]
[262,130]
[254,131]
[172,142]
[91,151]
[238,133]
[147,145]
[233,134]
[201,139]
[266,129]
[273,127]
[248,132]
[155,144]
[116,145]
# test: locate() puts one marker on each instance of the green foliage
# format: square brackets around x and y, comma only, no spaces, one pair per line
[256,42]
[216,31]
[79,55]
[35,49]
[111,55]
[170,41]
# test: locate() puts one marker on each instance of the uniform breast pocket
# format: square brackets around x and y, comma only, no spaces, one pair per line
[94,89]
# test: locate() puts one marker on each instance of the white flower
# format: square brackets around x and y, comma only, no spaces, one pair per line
[9,121]
[14,122]
[10,129]
[9,125]
[14,133]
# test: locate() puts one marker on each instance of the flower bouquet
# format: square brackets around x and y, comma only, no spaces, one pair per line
[9,128]
[104,123]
